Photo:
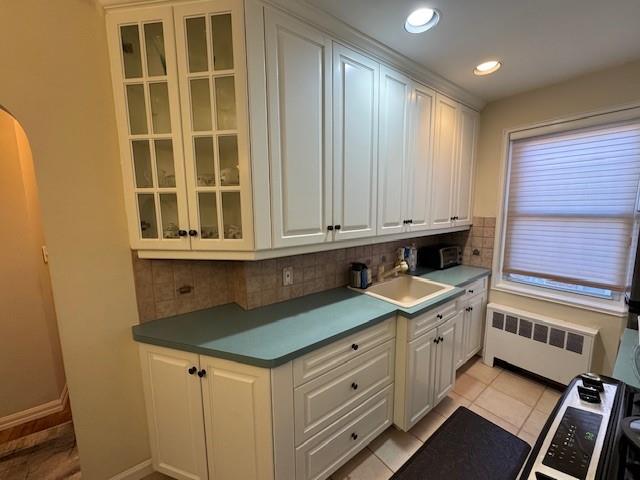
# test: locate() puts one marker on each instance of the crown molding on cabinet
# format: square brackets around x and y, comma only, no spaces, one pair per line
[352,37]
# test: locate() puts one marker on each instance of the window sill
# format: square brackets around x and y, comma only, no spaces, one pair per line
[614,308]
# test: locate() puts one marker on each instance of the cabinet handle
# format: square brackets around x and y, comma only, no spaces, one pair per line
[202,373]
[411,220]
[470,291]
[354,385]
[442,339]
[193,233]
[354,346]
[439,316]
[330,227]
[182,233]
[338,227]
[192,370]
[435,340]
[471,309]
[354,436]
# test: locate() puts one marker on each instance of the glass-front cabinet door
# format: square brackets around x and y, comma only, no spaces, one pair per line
[146,93]
[213,93]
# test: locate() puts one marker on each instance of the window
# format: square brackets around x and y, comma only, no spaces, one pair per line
[569,219]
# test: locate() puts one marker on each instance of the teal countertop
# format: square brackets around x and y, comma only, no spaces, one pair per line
[272,335]
[624,369]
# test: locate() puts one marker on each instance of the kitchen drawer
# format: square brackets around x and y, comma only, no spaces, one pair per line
[325,399]
[473,289]
[324,359]
[425,322]
[323,454]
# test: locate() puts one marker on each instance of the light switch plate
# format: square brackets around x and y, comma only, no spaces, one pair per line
[287,276]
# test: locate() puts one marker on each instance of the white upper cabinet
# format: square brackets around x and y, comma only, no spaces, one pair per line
[213,92]
[395,97]
[355,135]
[467,136]
[145,81]
[298,65]
[244,130]
[444,162]
[181,102]
[420,157]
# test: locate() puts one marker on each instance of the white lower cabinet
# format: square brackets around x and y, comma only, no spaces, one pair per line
[425,366]
[218,419]
[174,412]
[471,309]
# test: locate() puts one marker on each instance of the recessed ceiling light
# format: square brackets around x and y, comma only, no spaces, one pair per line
[485,68]
[421,20]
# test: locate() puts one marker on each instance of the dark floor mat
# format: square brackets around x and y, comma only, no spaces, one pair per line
[467,447]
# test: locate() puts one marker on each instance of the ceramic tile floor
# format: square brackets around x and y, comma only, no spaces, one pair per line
[517,404]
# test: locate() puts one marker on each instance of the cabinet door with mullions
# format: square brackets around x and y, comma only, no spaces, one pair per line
[210,43]
[146,92]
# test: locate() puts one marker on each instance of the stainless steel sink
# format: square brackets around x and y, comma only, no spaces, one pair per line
[407,291]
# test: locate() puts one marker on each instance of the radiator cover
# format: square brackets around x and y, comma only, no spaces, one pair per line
[552,348]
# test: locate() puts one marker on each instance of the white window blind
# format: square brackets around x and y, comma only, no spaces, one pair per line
[571,205]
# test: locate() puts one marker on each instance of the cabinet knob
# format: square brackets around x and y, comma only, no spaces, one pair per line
[441,339]
[354,346]
[470,309]
[192,370]
[470,291]
[354,436]
[337,227]
[435,340]
[182,233]
[193,233]
[439,316]
[411,220]
[330,227]
[202,373]
[354,385]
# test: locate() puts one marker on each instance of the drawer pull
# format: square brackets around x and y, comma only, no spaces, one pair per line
[354,346]
[470,291]
[439,316]
[354,385]
[354,436]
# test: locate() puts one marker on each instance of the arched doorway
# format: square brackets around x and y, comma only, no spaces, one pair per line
[35,414]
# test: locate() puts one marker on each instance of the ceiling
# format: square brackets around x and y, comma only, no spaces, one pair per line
[540,42]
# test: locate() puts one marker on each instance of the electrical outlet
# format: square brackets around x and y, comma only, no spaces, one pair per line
[287,276]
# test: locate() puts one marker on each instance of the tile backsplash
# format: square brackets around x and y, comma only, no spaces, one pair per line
[170,287]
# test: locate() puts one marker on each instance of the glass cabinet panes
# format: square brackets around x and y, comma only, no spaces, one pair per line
[169,213]
[136,107]
[154,45]
[208,209]
[142,164]
[147,212]
[165,166]
[232,215]
[222,42]
[131,58]
[225,103]
[160,114]
[228,158]
[201,104]
[205,167]
[196,30]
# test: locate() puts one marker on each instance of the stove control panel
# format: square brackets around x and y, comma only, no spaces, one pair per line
[572,445]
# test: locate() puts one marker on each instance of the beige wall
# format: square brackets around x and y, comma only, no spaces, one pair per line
[596,91]
[55,80]
[28,330]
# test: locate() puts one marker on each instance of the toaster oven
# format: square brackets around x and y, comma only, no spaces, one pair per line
[439,256]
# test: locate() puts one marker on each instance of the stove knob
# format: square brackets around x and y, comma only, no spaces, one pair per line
[593,381]
[589,394]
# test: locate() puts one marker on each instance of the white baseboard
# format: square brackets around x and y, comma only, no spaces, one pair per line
[136,472]
[36,412]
